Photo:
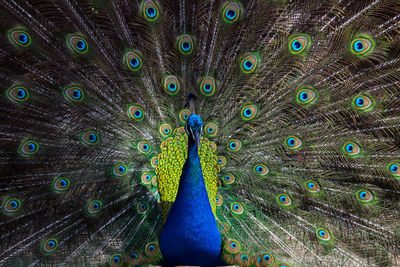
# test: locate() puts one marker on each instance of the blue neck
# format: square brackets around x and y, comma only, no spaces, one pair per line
[190,235]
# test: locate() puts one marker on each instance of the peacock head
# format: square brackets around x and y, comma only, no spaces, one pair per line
[194,128]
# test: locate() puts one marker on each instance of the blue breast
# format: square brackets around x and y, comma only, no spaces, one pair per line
[190,235]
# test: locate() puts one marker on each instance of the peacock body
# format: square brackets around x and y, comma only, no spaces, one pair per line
[291,158]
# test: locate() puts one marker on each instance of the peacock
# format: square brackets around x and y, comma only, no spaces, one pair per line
[200,133]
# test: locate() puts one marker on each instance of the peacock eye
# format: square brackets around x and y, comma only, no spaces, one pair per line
[77,43]
[144,147]
[351,149]
[229,178]
[237,208]
[171,85]
[231,11]
[293,142]
[184,115]
[146,178]
[28,148]
[394,168]
[152,249]
[284,200]
[298,43]
[249,112]
[136,112]
[323,234]
[116,260]
[362,45]
[11,205]
[364,196]
[20,37]
[234,145]
[207,86]
[90,138]
[73,93]
[165,130]
[61,184]
[220,200]
[150,10]
[185,44]
[142,207]
[362,102]
[119,170]
[305,96]
[133,60]
[17,93]
[312,186]
[221,161]
[94,207]
[261,170]
[249,63]
[211,129]
[49,245]
[133,258]
[232,246]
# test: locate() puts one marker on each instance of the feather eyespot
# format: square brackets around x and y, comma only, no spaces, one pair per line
[133,60]
[237,208]
[144,147]
[265,259]
[207,86]
[185,44]
[306,96]
[364,196]
[232,246]
[221,161]
[11,205]
[312,186]
[362,45]
[248,112]
[136,112]
[61,184]
[146,178]
[351,149]
[94,207]
[394,168]
[243,258]
[249,63]
[90,138]
[154,162]
[299,43]
[284,200]
[261,170]
[323,235]
[133,258]
[220,200]
[234,145]
[77,43]
[119,170]
[73,93]
[20,37]
[184,115]
[152,249]
[17,93]
[142,207]
[28,148]
[231,12]
[116,260]
[171,85]
[363,102]
[293,142]
[49,245]
[228,179]
[211,129]
[150,10]
[224,228]
[165,130]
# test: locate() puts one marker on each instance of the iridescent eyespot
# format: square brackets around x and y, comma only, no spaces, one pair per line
[171,85]
[19,37]
[116,260]
[312,186]
[306,95]
[265,259]
[231,11]
[362,45]
[184,115]
[224,228]
[60,184]
[351,149]
[154,181]
[146,178]
[298,43]
[363,102]
[228,178]
[73,93]
[293,142]
[165,130]
[211,129]
[185,44]
[220,200]
[237,208]
[249,112]
[394,168]
[133,258]
[90,138]
[94,207]
[154,162]
[11,205]
[364,196]
[136,112]
[119,170]
[28,148]
[243,259]
[77,43]
[249,63]
[142,207]
[17,93]
[152,249]
[150,10]
[207,86]
[234,145]
[133,60]
[144,147]
[323,234]
[284,200]
[261,170]
[49,245]
[232,246]
[221,161]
